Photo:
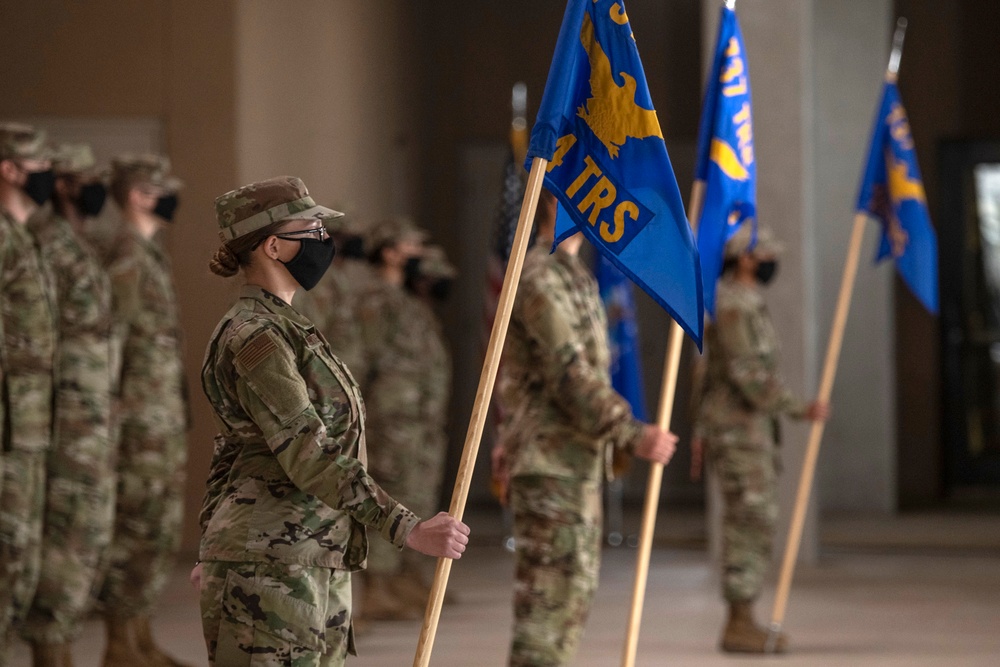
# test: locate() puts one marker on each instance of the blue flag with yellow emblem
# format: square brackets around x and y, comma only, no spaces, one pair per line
[623,335]
[608,164]
[725,152]
[893,192]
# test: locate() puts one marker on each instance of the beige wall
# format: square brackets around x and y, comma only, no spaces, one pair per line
[324,94]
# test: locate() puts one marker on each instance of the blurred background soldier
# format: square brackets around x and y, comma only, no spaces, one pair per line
[79,496]
[563,420]
[742,397]
[395,344]
[27,355]
[333,303]
[151,447]
[430,281]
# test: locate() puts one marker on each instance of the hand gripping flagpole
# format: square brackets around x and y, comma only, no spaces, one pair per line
[479,410]
[825,389]
[671,366]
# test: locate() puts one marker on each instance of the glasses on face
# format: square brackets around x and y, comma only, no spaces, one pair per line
[317,233]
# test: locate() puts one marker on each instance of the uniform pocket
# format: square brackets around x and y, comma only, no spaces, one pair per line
[263,621]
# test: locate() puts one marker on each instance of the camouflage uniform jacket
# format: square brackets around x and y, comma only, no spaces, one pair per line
[83,295]
[29,343]
[743,390]
[146,332]
[561,411]
[408,365]
[288,481]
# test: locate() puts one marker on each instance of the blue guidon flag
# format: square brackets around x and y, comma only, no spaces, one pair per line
[725,152]
[608,164]
[893,193]
[623,335]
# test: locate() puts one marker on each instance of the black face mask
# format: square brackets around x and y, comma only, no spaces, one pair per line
[166,206]
[353,248]
[311,262]
[441,289]
[40,186]
[91,199]
[765,271]
[411,271]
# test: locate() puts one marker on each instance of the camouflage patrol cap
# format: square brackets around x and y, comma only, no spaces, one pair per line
[740,242]
[22,142]
[393,231]
[73,159]
[434,263]
[144,169]
[259,204]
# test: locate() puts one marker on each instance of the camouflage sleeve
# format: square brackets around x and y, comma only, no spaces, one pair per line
[759,383]
[218,479]
[582,392]
[273,393]
[698,387]
[125,277]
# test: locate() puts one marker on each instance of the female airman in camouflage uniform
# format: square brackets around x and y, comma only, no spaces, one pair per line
[288,498]
[27,355]
[80,488]
[742,397]
[151,410]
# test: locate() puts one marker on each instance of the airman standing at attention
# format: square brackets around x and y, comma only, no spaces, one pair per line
[394,367]
[742,397]
[152,410]
[80,489]
[563,422]
[430,281]
[289,504]
[27,356]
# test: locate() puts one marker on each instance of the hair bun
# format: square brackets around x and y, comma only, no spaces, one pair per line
[224,262]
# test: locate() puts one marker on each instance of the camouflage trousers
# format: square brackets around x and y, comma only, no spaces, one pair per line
[148,515]
[748,476]
[557,529]
[276,615]
[22,502]
[413,477]
[79,504]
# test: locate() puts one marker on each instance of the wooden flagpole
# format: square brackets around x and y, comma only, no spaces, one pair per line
[671,365]
[816,432]
[482,403]
[825,389]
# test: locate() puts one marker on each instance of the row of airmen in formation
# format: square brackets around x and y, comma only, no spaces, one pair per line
[94,402]
[93,435]
[95,415]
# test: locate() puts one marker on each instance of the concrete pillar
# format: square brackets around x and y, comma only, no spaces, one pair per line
[815,68]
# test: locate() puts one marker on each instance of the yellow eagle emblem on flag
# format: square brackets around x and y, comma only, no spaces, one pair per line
[611,112]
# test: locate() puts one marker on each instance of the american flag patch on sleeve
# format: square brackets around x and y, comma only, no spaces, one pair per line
[256,350]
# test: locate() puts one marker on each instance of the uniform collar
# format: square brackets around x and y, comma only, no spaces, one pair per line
[274,304]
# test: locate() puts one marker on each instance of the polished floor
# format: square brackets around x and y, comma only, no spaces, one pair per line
[889,592]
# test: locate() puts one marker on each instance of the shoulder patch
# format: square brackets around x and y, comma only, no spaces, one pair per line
[256,350]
